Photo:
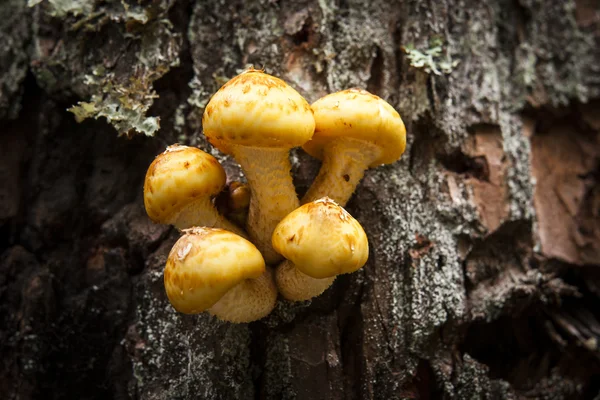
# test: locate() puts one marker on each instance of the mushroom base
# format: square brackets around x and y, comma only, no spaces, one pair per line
[297,286]
[249,301]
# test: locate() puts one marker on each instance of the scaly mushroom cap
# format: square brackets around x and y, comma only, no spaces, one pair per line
[322,240]
[178,176]
[358,114]
[257,110]
[204,264]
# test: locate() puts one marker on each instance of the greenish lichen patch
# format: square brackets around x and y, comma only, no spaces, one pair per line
[115,76]
[433,59]
[123,106]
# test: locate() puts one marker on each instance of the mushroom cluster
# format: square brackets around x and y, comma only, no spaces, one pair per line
[221,262]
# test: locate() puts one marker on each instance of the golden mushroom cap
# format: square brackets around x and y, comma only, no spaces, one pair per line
[257,110]
[322,240]
[178,176]
[204,264]
[357,114]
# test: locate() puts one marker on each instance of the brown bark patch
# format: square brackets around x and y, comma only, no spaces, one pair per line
[567,199]
[489,190]
[482,166]
[587,13]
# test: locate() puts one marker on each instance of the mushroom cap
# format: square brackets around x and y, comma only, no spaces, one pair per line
[257,110]
[357,114]
[204,264]
[239,196]
[322,239]
[178,176]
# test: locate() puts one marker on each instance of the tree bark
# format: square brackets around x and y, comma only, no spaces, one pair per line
[483,279]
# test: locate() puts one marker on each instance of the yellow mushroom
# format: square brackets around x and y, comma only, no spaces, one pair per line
[220,272]
[178,188]
[320,240]
[355,130]
[258,118]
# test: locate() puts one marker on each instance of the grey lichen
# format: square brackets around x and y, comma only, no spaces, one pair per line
[278,369]
[472,382]
[554,34]
[61,8]
[86,11]
[216,53]
[517,148]
[352,47]
[176,356]
[430,283]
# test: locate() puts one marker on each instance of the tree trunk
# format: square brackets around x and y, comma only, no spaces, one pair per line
[483,279]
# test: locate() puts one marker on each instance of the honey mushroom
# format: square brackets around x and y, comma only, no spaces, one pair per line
[178,188]
[319,240]
[354,130]
[258,118]
[217,271]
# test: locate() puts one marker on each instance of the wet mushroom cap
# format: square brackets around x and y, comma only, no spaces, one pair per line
[204,264]
[322,240]
[178,176]
[357,114]
[255,109]
[258,118]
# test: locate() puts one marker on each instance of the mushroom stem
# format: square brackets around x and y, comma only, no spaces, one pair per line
[248,301]
[295,285]
[202,212]
[344,164]
[273,195]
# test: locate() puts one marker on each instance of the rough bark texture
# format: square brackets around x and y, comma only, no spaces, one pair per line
[483,279]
